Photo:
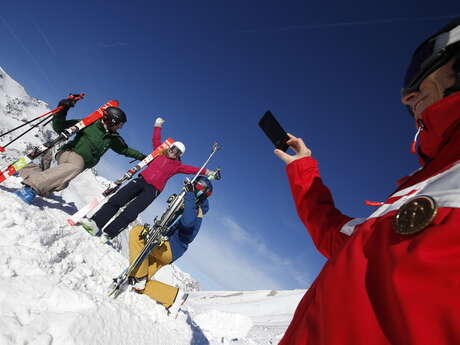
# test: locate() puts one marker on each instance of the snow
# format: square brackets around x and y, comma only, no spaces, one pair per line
[54,278]
[223,324]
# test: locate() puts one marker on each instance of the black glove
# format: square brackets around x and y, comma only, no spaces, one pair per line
[67,103]
[217,175]
[188,185]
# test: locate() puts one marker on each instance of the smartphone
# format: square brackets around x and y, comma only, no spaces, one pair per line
[274,131]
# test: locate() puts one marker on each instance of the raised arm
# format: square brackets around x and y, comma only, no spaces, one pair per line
[59,122]
[314,203]
[156,138]
[190,222]
[190,211]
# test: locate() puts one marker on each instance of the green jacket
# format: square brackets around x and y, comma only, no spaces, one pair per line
[93,141]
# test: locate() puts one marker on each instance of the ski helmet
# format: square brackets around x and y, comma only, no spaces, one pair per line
[202,187]
[178,147]
[434,52]
[114,116]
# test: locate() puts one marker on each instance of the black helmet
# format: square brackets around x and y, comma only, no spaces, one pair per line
[114,116]
[432,54]
[202,187]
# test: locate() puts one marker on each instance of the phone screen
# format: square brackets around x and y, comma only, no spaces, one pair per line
[274,131]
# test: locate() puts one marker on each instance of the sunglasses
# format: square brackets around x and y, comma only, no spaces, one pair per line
[175,150]
[201,188]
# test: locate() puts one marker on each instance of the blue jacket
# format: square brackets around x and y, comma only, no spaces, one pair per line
[186,228]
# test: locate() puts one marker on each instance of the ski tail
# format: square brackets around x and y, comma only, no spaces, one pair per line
[76,217]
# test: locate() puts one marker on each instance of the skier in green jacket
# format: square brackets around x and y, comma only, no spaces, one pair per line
[83,152]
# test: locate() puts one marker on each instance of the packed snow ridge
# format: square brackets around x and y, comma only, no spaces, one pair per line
[54,278]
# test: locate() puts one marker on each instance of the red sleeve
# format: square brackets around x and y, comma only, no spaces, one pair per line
[156,139]
[315,206]
[188,169]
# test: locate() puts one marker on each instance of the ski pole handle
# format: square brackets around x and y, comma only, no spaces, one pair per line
[71,100]
[216,146]
[76,96]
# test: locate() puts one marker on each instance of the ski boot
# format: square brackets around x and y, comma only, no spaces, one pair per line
[112,242]
[27,194]
[179,301]
[137,284]
[90,226]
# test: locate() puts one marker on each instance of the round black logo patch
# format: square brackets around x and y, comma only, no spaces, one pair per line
[415,215]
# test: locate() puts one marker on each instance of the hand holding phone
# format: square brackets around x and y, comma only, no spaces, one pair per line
[298,146]
[283,140]
[274,131]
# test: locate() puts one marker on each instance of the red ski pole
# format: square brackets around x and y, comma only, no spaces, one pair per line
[76,97]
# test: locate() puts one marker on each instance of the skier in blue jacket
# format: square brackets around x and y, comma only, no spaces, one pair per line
[181,234]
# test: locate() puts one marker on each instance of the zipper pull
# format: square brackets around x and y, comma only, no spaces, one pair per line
[420,127]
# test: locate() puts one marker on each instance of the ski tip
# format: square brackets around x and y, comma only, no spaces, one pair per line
[2,149]
[71,222]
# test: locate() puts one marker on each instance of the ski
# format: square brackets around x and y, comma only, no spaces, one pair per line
[157,235]
[64,135]
[114,186]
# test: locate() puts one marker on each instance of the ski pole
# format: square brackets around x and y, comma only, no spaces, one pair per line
[76,97]
[215,147]
[2,148]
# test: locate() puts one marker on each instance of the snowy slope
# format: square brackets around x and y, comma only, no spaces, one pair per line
[54,278]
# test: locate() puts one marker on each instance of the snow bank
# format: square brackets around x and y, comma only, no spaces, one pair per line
[54,285]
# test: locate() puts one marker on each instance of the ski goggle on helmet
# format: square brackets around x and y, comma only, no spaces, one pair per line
[431,55]
[202,187]
[177,148]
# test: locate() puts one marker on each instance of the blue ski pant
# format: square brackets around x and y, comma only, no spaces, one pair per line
[138,193]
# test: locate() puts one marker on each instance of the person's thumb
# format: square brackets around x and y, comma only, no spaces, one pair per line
[283,156]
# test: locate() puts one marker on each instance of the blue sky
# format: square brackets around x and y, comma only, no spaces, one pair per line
[331,74]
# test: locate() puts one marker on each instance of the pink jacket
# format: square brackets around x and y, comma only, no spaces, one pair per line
[162,168]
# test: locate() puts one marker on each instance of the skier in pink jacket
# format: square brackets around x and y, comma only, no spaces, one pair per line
[141,192]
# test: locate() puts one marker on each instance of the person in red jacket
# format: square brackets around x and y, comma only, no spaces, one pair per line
[140,192]
[393,277]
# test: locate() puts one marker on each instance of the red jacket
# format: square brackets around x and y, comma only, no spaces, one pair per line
[379,287]
[162,168]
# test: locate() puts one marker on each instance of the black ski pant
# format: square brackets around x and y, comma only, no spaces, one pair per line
[140,193]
